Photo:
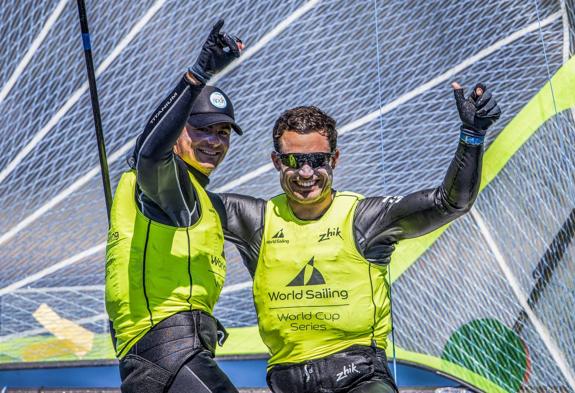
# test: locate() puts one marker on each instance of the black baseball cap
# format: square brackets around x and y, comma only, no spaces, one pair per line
[211,107]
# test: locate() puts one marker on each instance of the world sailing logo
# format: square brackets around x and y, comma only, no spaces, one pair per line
[309,275]
[279,237]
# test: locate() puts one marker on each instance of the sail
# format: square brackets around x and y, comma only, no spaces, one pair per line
[487,300]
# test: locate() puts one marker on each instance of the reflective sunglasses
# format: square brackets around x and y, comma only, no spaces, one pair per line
[297,160]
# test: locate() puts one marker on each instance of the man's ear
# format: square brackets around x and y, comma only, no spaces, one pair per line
[335,159]
[276,161]
[183,136]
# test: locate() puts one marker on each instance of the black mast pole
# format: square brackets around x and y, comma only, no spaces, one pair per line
[95,106]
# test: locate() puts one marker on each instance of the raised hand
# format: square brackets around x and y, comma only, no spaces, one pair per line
[219,50]
[478,111]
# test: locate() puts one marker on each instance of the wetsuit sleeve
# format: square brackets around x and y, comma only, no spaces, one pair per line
[161,177]
[242,220]
[386,220]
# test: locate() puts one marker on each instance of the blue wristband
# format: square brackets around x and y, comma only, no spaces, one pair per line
[199,73]
[470,139]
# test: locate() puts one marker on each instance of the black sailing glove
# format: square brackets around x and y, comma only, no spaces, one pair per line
[477,112]
[219,50]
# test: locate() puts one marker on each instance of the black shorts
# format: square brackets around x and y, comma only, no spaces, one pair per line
[358,369]
[176,356]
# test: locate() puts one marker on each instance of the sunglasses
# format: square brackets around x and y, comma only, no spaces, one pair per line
[297,160]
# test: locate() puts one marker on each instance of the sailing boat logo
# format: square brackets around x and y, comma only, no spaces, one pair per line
[309,275]
[278,238]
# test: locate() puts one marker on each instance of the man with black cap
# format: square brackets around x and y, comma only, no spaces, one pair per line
[165,264]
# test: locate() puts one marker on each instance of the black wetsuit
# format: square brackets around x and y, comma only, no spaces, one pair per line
[176,355]
[167,195]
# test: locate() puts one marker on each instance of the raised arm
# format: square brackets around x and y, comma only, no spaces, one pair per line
[161,177]
[381,222]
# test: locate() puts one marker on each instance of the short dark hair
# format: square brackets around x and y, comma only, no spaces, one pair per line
[305,120]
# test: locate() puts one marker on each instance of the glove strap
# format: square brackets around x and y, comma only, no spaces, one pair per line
[199,74]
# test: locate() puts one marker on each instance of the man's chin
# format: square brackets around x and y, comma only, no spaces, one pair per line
[208,162]
[205,167]
[305,198]
[212,164]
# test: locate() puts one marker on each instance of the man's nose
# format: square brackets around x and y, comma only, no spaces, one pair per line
[305,170]
[214,139]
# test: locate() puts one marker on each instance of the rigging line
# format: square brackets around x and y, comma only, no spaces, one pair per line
[545,55]
[32,50]
[566,41]
[380,106]
[392,327]
[522,299]
[379,95]
[75,97]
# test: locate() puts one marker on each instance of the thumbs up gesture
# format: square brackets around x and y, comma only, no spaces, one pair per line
[478,111]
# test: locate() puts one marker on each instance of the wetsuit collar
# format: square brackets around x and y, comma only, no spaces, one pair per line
[200,177]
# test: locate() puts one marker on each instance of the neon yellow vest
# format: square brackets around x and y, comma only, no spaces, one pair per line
[314,292]
[154,270]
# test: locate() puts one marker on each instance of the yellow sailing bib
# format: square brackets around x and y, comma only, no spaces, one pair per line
[154,270]
[314,292]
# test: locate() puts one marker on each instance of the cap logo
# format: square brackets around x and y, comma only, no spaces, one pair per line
[218,100]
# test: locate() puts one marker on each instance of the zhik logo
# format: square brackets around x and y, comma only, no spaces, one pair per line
[309,275]
[347,370]
[279,237]
[331,232]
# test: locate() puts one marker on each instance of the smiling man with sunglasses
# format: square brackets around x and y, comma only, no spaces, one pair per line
[319,257]
[306,160]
